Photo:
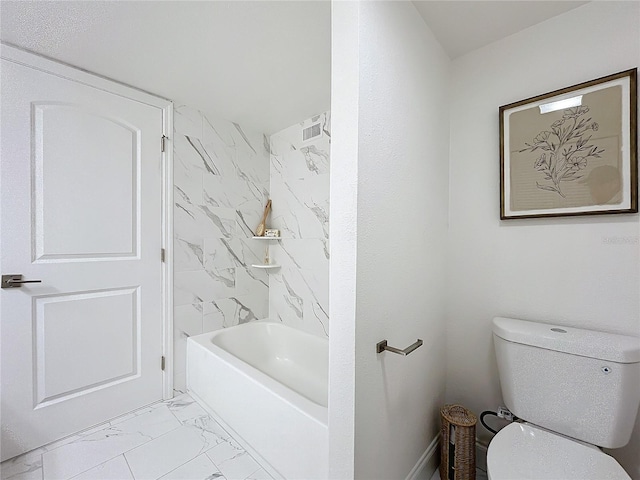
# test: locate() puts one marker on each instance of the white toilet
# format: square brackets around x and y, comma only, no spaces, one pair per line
[576,390]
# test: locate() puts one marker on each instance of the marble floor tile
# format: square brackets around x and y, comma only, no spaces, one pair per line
[152,421]
[209,426]
[260,474]
[234,462]
[200,468]
[85,453]
[164,454]
[23,467]
[88,451]
[185,408]
[114,469]
[173,440]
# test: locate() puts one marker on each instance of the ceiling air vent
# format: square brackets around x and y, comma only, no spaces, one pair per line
[311,132]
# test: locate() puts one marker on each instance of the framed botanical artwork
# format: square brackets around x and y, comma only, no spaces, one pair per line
[572,151]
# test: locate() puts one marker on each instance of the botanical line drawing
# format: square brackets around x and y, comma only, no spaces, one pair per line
[566,149]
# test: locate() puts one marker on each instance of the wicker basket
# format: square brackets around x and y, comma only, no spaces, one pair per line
[457,443]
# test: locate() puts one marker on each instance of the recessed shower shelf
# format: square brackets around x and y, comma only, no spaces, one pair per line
[266,266]
[267,238]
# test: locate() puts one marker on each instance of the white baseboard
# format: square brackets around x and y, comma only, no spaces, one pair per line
[427,464]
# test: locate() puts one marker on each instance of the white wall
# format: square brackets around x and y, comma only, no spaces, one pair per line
[343,236]
[401,218]
[581,272]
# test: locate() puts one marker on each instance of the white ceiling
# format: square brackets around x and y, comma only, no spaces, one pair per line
[263,64]
[463,26]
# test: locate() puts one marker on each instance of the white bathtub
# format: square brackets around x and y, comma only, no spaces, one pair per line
[268,384]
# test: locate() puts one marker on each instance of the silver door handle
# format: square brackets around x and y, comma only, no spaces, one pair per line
[15,281]
[382,346]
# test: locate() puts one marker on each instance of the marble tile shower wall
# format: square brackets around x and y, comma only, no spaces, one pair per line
[299,290]
[221,184]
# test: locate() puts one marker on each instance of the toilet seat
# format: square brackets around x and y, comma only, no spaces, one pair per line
[523,451]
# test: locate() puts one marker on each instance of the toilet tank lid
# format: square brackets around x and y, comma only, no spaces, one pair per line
[575,341]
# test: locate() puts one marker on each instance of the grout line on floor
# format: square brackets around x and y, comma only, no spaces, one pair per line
[128,466]
[257,469]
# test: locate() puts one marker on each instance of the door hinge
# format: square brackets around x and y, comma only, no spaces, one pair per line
[162,363]
[163,142]
[162,255]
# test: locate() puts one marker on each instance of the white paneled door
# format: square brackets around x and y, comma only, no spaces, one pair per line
[81,212]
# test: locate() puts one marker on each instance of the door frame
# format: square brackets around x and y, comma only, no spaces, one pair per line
[54,67]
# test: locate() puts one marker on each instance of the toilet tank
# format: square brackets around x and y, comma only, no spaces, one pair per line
[580,383]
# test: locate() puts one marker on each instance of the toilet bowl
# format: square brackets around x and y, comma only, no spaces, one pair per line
[524,451]
[576,390]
